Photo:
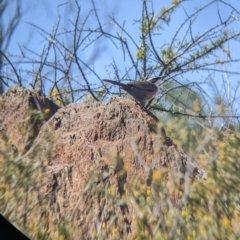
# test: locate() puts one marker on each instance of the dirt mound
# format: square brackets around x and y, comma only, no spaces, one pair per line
[91,152]
[19,115]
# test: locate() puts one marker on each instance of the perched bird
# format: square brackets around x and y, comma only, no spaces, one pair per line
[142,91]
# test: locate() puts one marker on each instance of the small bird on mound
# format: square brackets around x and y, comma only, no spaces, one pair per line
[141,91]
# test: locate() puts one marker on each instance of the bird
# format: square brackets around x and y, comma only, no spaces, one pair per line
[141,91]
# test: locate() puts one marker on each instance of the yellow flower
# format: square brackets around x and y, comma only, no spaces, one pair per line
[156,175]
[54,92]
[140,53]
[222,144]
[164,10]
[46,111]
[175,2]
[126,166]
[89,97]
[225,221]
[196,106]
[58,102]
[207,218]
[103,224]
[148,191]
[184,213]
[114,230]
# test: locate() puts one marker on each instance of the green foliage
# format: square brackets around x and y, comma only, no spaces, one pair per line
[141,53]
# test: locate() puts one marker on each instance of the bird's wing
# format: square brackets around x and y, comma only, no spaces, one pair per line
[149,87]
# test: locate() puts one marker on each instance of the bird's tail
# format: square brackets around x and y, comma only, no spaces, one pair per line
[114,82]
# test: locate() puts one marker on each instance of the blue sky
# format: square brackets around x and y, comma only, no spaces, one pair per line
[44,14]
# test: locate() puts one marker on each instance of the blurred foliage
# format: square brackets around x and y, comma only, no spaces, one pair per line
[212,206]
[21,175]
